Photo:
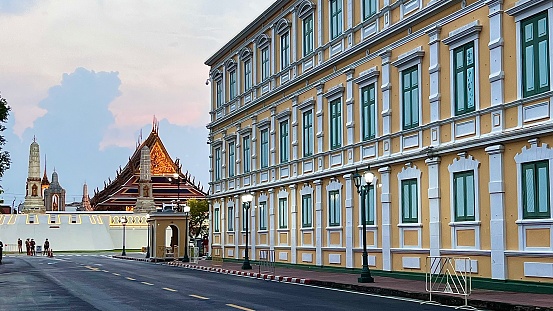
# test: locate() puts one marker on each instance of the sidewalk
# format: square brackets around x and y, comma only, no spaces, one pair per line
[386,286]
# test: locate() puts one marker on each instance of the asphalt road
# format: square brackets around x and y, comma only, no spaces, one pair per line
[99,282]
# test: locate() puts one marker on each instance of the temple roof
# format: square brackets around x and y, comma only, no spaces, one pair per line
[121,193]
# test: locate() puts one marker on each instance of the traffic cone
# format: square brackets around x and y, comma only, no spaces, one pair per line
[50,253]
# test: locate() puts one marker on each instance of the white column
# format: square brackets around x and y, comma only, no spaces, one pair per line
[273,60]
[237,227]
[294,223]
[253,229]
[295,132]
[238,155]
[497,212]
[434,204]
[349,220]
[386,201]
[272,141]
[320,127]
[319,222]
[253,148]
[434,71]
[254,71]
[223,212]
[497,75]
[320,54]
[386,101]
[349,109]
[272,224]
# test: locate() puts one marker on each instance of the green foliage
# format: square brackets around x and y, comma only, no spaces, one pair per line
[4,155]
[199,215]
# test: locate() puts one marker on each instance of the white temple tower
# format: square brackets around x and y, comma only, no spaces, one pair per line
[34,202]
[145,201]
[85,203]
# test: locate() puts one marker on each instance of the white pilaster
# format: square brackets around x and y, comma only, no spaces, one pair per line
[295,132]
[434,71]
[238,153]
[434,204]
[320,126]
[253,148]
[252,227]
[497,75]
[497,212]
[349,220]
[272,141]
[319,32]
[386,201]
[318,222]
[237,227]
[386,101]
[272,224]
[294,223]
[349,107]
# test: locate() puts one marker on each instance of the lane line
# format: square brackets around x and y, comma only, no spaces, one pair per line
[170,289]
[130,279]
[199,297]
[146,283]
[239,307]
[115,273]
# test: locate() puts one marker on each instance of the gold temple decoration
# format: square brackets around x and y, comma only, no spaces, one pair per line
[160,163]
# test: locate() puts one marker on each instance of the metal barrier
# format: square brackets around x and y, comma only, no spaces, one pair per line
[194,254]
[267,261]
[12,248]
[449,275]
[216,257]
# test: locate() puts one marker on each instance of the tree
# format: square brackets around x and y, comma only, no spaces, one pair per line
[199,214]
[4,155]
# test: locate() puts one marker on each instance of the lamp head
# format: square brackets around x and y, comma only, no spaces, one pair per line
[357,179]
[175,175]
[247,197]
[124,220]
[186,208]
[369,177]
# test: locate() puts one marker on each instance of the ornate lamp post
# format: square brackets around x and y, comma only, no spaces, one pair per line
[186,210]
[124,223]
[362,185]
[246,201]
[176,177]
[148,247]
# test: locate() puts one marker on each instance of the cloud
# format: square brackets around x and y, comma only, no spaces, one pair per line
[15,6]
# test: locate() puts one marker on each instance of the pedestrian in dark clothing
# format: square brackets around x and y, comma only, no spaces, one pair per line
[33,244]
[20,245]
[28,247]
[46,247]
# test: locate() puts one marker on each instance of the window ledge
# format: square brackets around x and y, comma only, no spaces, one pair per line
[369,227]
[233,232]
[283,230]
[545,221]
[262,231]
[307,229]
[465,223]
[337,228]
[410,225]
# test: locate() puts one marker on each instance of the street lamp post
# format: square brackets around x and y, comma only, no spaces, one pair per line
[246,201]
[148,247]
[363,185]
[124,223]
[186,210]
[176,177]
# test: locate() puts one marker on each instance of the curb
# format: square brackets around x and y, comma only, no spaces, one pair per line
[268,277]
[132,258]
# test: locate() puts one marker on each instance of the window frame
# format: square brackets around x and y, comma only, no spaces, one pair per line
[248,75]
[232,85]
[336,123]
[373,7]
[219,94]
[334,208]
[265,64]
[409,71]
[534,19]
[217,163]
[283,213]
[231,159]
[307,210]
[230,218]
[412,219]
[368,114]
[464,69]
[216,220]
[264,148]
[308,34]
[536,214]
[336,19]
[370,207]
[284,50]
[284,141]
[307,133]
[463,176]
[263,215]
[246,156]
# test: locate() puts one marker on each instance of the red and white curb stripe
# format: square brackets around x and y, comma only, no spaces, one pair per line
[262,276]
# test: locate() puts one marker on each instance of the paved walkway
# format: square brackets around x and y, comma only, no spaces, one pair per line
[388,286]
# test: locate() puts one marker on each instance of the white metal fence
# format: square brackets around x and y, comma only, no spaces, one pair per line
[449,275]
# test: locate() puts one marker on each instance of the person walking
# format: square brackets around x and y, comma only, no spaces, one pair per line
[33,245]
[46,247]
[28,246]
[20,245]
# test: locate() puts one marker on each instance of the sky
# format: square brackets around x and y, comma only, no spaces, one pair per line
[86,77]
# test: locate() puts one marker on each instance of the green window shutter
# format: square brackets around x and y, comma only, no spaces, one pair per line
[336,123]
[284,141]
[369,8]
[264,148]
[263,216]
[334,208]
[283,213]
[216,226]
[307,211]
[535,190]
[535,54]
[232,84]
[247,75]
[307,35]
[284,50]
[463,58]
[463,196]
[246,155]
[409,201]
[265,65]
[410,97]
[231,159]
[230,219]
[369,207]
[308,133]
[368,112]
[217,164]
[335,18]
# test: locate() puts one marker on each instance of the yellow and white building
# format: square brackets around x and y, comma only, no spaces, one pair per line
[448,101]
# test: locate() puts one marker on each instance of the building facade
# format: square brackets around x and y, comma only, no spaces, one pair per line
[450,104]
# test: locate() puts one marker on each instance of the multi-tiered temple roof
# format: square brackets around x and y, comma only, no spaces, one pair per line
[121,193]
